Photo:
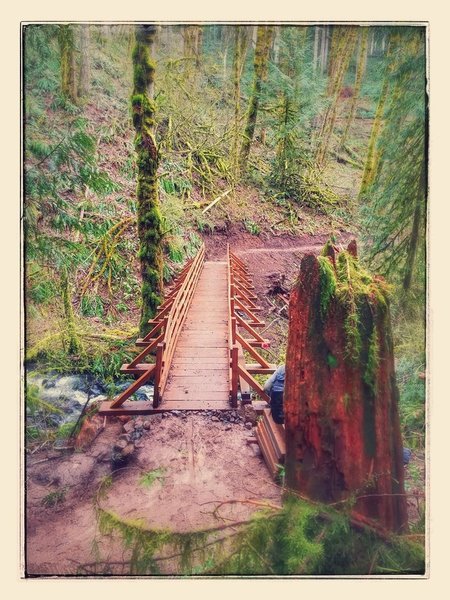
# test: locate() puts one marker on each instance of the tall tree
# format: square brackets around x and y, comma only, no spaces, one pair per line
[192,36]
[66,40]
[359,76]
[263,44]
[84,79]
[343,49]
[148,211]
[241,39]
[372,156]
[394,201]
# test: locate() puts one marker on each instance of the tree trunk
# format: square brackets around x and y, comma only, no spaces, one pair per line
[66,42]
[345,47]
[192,42]
[359,76]
[240,50]
[415,231]
[343,437]
[316,48]
[370,167]
[84,79]
[148,211]
[263,44]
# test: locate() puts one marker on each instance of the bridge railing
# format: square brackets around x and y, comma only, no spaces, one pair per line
[242,309]
[163,336]
[174,324]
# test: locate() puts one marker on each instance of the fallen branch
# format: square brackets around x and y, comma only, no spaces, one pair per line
[215,201]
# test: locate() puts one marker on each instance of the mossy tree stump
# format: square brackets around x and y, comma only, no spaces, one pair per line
[341,417]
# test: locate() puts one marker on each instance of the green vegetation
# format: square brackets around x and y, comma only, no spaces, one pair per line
[54,498]
[147,479]
[299,539]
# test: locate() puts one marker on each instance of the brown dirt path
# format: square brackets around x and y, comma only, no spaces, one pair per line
[202,461]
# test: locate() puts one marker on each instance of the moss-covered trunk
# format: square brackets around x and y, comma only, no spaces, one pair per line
[66,40]
[360,70]
[343,439]
[263,44]
[240,50]
[344,47]
[149,216]
[370,167]
[415,230]
[84,78]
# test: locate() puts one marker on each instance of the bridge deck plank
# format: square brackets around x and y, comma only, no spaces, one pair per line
[200,366]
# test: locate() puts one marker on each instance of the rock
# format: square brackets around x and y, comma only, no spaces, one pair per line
[215,419]
[97,390]
[228,427]
[124,419]
[129,426]
[120,387]
[128,450]
[250,414]
[121,444]
[125,436]
[248,425]
[139,423]
[48,383]
[147,425]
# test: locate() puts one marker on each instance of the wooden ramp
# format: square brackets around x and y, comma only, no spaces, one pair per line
[199,375]
[271,440]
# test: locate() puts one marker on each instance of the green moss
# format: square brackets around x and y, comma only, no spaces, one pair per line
[346,400]
[327,283]
[332,361]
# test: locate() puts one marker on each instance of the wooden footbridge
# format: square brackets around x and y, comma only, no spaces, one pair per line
[202,335]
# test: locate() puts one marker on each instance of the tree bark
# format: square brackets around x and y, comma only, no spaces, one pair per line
[66,40]
[344,49]
[263,44]
[84,79]
[343,437]
[240,51]
[148,211]
[359,76]
[415,235]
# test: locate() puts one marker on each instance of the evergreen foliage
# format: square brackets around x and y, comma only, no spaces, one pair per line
[394,206]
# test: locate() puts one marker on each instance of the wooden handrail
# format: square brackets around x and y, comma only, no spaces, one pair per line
[239,288]
[175,320]
[167,325]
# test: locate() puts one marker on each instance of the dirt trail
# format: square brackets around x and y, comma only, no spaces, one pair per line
[200,462]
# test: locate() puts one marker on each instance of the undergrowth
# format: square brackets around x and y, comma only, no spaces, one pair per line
[298,539]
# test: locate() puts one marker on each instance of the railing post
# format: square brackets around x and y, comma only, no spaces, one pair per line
[234,375]
[232,292]
[233,330]
[158,369]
